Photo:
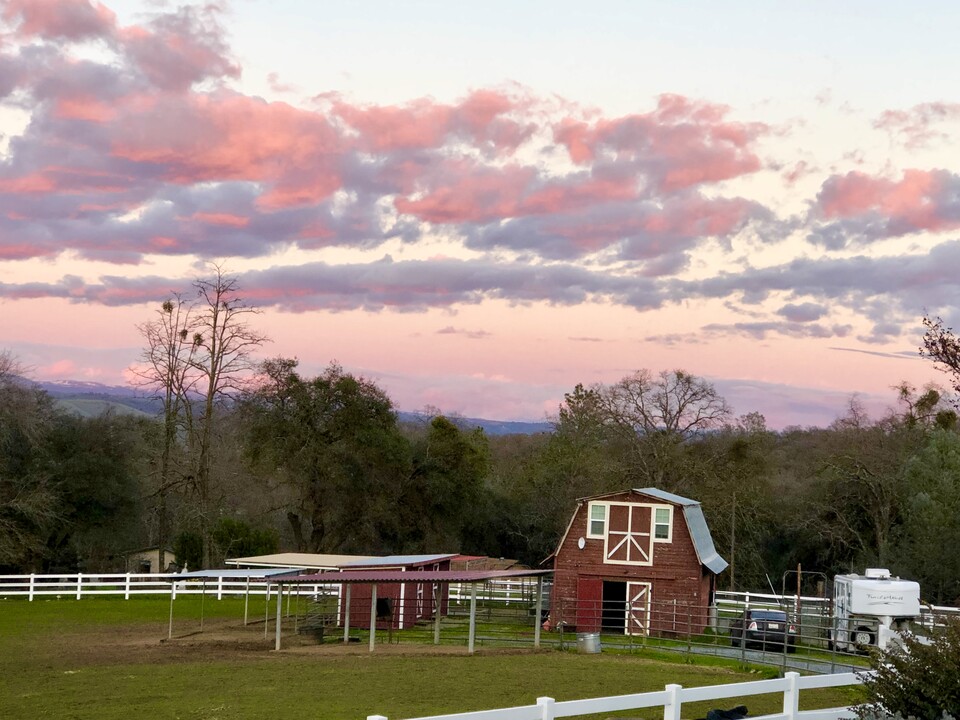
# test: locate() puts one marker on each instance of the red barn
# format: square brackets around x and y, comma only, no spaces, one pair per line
[636,562]
[399,604]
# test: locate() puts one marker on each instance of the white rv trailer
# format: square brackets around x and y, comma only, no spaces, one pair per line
[862,604]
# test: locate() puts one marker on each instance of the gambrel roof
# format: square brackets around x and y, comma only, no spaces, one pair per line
[692,513]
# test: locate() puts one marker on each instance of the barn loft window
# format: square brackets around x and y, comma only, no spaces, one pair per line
[597,526]
[662,524]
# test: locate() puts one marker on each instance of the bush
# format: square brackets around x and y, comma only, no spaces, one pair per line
[917,680]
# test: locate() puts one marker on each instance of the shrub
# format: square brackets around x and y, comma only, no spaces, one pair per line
[916,680]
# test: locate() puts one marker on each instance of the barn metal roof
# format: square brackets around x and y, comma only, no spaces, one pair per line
[397,560]
[692,512]
[398,576]
[696,524]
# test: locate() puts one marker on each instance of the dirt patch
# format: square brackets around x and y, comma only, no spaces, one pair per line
[220,640]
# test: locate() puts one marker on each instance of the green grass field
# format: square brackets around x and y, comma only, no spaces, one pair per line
[107,658]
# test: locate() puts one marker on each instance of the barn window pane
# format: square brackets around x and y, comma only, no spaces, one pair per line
[662,524]
[598,520]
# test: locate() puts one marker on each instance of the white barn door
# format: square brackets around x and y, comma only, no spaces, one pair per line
[638,608]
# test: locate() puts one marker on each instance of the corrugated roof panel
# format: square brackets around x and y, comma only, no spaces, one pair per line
[393,576]
[296,560]
[398,560]
[667,496]
[238,573]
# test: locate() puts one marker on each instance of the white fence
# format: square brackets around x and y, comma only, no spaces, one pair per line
[672,699]
[507,592]
[128,584]
[728,602]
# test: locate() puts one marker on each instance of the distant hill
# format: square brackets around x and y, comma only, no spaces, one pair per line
[89,399]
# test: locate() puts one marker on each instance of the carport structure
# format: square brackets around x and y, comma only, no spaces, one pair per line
[438,580]
[248,575]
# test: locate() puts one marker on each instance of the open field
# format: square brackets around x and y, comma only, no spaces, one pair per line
[107,658]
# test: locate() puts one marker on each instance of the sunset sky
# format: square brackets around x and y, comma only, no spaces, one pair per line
[479,205]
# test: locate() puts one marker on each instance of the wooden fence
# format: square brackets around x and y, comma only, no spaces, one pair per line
[672,699]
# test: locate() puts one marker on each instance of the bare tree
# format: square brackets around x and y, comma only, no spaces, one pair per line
[943,347]
[167,370]
[657,413]
[223,347]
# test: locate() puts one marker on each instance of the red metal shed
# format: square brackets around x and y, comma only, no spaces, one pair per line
[400,604]
[637,562]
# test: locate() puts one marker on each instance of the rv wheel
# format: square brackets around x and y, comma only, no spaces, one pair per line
[862,637]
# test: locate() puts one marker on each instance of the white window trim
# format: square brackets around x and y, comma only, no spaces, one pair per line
[669,537]
[606,520]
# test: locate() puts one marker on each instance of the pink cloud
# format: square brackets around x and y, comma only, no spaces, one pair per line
[916,126]
[60,19]
[681,144]
[177,49]
[915,202]
[234,137]
[425,124]
[59,370]
[23,251]
[223,219]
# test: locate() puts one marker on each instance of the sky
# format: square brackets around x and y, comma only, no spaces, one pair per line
[481,205]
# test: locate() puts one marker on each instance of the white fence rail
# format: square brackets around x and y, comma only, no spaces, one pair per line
[506,592]
[734,602]
[672,699]
[129,584]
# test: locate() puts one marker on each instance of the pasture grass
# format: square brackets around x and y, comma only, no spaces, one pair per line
[106,658]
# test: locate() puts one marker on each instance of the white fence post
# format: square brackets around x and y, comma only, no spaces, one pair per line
[546,708]
[126,588]
[79,584]
[33,579]
[671,709]
[220,588]
[791,696]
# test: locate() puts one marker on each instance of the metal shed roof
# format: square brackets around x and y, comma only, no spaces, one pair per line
[298,560]
[238,573]
[397,560]
[400,576]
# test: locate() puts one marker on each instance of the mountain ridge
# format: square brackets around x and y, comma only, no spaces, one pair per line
[83,396]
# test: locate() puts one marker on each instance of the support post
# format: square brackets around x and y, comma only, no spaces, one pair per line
[538,620]
[346,613]
[373,616]
[266,612]
[203,598]
[126,588]
[220,588]
[671,709]
[246,601]
[473,618]
[546,708]
[436,613]
[173,595]
[279,610]
[791,696]
[33,580]
[79,584]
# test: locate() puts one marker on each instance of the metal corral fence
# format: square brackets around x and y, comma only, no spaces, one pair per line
[673,698]
[506,615]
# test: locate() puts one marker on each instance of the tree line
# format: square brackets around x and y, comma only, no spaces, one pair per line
[252,457]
